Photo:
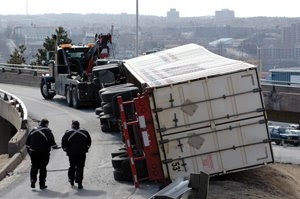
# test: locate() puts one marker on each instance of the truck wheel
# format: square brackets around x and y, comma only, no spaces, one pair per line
[296,144]
[107,108]
[69,97]
[98,110]
[121,176]
[277,142]
[118,161]
[76,102]
[119,152]
[115,87]
[108,96]
[45,90]
[104,128]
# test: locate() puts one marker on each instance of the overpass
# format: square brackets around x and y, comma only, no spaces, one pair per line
[282,101]
[13,130]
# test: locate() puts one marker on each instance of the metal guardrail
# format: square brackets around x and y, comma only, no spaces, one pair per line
[280,83]
[21,69]
[18,104]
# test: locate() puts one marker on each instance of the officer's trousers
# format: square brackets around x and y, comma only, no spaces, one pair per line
[77,163]
[39,162]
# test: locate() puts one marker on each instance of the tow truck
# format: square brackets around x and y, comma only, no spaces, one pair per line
[71,74]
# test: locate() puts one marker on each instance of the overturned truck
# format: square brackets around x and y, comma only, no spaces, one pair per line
[196,111]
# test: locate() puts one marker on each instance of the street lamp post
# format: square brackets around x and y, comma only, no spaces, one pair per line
[137,29]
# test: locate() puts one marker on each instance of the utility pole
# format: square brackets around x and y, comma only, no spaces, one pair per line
[137,29]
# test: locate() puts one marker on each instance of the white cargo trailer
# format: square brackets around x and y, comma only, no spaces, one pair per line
[207,111]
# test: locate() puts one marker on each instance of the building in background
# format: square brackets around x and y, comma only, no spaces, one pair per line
[224,15]
[172,15]
[291,35]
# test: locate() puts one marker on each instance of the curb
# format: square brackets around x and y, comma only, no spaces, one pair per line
[16,159]
[13,162]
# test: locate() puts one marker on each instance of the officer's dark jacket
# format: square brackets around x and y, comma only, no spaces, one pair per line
[76,141]
[40,139]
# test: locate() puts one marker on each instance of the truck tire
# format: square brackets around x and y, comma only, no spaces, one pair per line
[108,108]
[45,86]
[123,165]
[121,176]
[115,87]
[104,118]
[98,110]
[119,152]
[119,161]
[108,96]
[104,128]
[296,144]
[75,100]
[277,142]
[69,97]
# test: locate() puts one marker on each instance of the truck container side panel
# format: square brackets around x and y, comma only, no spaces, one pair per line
[207,102]
[208,140]
[176,96]
[221,162]
[214,132]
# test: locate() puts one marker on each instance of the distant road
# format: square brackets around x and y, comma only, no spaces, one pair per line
[288,154]
[98,181]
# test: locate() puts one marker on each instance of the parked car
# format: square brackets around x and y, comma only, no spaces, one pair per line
[284,135]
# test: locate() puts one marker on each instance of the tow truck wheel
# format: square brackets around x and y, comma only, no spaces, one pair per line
[69,97]
[45,90]
[76,102]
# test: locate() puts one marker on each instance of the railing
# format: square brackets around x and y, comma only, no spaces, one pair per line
[14,111]
[279,83]
[18,104]
[23,69]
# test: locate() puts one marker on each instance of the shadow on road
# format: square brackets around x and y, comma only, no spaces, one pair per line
[89,192]
[89,108]
[51,194]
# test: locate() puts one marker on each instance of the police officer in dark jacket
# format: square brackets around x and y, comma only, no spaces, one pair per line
[76,142]
[39,143]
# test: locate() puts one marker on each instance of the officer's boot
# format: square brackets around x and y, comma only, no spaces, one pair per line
[80,185]
[71,182]
[43,185]
[32,185]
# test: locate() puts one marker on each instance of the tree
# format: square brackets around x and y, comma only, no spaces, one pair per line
[17,57]
[49,44]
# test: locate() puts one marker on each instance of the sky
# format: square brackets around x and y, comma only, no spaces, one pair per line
[187,8]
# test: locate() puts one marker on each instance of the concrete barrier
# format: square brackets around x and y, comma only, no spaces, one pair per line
[20,79]
[13,110]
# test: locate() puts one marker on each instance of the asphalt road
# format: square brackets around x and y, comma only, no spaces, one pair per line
[98,177]
[286,154]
